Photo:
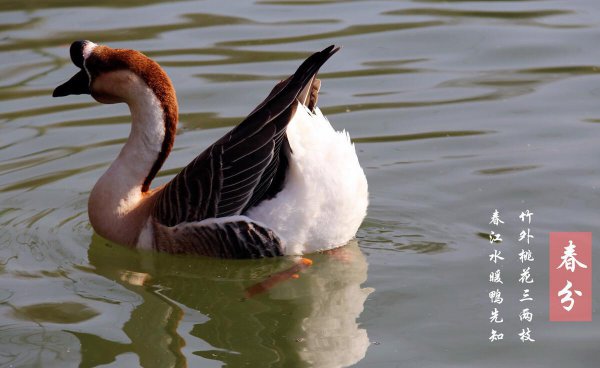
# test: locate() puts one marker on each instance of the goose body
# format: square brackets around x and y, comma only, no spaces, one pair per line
[282,182]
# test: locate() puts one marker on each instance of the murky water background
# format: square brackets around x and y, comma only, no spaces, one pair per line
[456,108]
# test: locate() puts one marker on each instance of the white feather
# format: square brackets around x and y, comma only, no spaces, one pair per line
[88,48]
[325,196]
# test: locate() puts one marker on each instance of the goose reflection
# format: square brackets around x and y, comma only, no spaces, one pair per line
[192,311]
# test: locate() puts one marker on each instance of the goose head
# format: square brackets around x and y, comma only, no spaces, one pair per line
[120,75]
[110,75]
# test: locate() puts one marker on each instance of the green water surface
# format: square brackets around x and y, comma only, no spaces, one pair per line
[456,108]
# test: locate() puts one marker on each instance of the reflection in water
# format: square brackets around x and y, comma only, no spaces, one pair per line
[193,310]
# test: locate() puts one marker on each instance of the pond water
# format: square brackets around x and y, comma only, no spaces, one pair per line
[457,108]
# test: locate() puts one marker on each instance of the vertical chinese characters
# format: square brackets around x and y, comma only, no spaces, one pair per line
[526,278]
[495,277]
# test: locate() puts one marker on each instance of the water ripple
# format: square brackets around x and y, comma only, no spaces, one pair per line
[418,136]
[355,30]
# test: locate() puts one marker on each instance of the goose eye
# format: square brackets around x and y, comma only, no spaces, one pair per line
[76,52]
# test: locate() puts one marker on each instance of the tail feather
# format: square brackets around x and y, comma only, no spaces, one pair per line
[301,84]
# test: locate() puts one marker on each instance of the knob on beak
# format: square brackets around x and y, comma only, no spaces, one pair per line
[76,52]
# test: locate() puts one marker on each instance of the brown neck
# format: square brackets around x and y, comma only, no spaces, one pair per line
[159,83]
[170,126]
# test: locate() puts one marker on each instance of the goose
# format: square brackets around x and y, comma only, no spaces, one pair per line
[282,182]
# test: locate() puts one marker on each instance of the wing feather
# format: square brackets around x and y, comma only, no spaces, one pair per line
[245,166]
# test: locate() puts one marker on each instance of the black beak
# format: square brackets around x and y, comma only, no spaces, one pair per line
[78,84]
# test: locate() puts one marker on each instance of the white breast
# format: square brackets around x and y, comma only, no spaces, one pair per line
[325,196]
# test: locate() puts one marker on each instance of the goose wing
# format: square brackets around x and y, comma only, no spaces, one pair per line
[230,237]
[246,165]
